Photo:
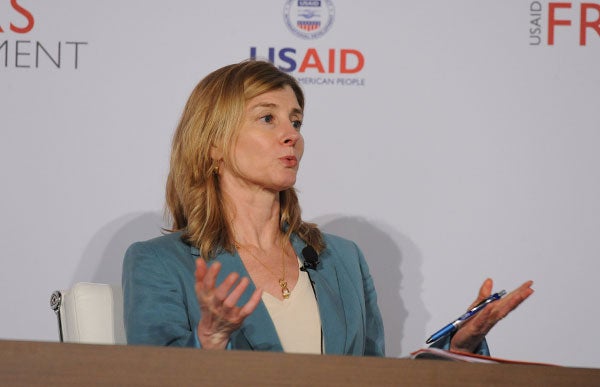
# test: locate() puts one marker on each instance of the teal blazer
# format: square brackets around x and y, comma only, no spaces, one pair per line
[161,308]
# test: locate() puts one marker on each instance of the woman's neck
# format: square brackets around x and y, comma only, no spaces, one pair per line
[254,218]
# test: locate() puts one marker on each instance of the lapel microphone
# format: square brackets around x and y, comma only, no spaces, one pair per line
[311,258]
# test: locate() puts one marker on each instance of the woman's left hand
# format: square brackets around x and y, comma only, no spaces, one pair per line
[471,334]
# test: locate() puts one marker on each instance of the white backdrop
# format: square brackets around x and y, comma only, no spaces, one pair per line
[464,148]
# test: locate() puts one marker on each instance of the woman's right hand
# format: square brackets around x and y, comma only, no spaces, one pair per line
[219,314]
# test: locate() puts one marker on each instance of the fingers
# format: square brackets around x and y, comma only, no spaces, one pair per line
[484,292]
[486,288]
[236,293]
[220,302]
[200,269]
[496,311]
[211,275]
[251,304]
[222,291]
[512,300]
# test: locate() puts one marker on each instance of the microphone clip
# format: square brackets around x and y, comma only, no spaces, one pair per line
[311,258]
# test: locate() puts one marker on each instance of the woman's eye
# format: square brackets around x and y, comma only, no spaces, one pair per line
[297,124]
[268,118]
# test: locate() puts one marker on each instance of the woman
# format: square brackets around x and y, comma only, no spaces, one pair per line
[241,270]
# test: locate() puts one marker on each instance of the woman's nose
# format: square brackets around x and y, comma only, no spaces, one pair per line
[291,135]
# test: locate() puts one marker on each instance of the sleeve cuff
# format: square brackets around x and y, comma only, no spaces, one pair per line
[196,342]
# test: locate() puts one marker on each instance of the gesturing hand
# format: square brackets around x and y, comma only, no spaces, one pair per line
[219,314]
[470,335]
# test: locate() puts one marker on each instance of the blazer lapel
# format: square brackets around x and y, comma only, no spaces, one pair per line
[329,299]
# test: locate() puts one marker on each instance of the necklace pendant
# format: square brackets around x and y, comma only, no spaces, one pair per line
[285,292]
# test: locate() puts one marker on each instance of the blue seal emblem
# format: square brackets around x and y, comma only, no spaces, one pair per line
[309,19]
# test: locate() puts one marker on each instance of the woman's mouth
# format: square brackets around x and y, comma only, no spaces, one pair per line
[289,161]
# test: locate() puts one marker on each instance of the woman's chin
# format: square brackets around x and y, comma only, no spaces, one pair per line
[285,185]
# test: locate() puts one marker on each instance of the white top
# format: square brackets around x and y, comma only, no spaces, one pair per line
[297,320]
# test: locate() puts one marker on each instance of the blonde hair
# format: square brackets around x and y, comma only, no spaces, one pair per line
[212,117]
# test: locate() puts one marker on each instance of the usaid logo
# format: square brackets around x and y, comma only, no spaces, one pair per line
[309,19]
[319,66]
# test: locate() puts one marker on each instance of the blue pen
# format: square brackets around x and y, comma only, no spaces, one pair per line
[454,325]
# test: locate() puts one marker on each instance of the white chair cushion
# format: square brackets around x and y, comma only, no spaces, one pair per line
[93,313]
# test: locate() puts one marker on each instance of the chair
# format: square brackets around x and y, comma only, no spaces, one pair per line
[90,313]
